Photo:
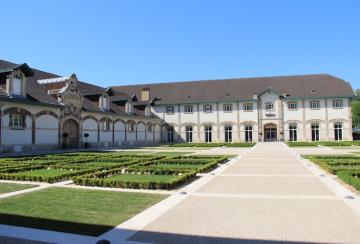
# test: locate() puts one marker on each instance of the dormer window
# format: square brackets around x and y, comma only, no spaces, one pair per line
[104,102]
[129,107]
[315,104]
[148,111]
[338,104]
[269,106]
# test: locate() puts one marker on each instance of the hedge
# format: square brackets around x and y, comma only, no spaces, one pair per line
[350,177]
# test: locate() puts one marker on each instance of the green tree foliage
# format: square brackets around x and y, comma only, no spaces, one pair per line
[356,109]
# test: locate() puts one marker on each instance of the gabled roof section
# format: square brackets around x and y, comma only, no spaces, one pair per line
[299,86]
[25,69]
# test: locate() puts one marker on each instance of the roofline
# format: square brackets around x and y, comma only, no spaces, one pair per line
[16,100]
[235,78]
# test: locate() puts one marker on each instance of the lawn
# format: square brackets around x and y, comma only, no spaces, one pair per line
[87,212]
[213,144]
[323,143]
[11,187]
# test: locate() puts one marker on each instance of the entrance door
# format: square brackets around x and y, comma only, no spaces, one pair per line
[70,134]
[270,132]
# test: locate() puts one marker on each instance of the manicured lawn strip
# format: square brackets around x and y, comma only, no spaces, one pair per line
[350,177]
[240,144]
[213,144]
[11,187]
[86,212]
[301,144]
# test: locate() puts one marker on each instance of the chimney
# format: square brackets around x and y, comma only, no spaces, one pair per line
[145,94]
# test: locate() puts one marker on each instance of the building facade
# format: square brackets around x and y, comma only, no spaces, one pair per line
[287,108]
[44,111]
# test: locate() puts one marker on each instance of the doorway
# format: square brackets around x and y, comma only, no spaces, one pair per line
[70,134]
[270,132]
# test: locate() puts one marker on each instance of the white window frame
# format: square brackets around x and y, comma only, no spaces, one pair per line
[338,104]
[293,132]
[170,109]
[16,121]
[149,128]
[189,133]
[207,108]
[248,107]
[292,105]
[106,125]
[315,104]
[228,108]
[17,84]
[248,133]
[315,128]
[188,109]
[228,129]
[208,133]
[338,131]
[131,127]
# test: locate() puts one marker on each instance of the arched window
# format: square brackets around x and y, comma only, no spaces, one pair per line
[17,84]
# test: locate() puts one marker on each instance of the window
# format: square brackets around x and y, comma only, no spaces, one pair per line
[189,133]
[188,109]
[269,106]
[17,121]
[292,105]
[338,131]
[338,104]
[315,104]
[149,128]
[170,134]
[129,107]
[292,132]
[208,134]
[16,84]
[248,107]
[227,107]
[106,125]
[228,133]
[207,108]
[248,133]
[131,127]
[315,132]
[170,109]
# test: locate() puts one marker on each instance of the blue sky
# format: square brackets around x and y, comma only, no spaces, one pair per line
[128,42]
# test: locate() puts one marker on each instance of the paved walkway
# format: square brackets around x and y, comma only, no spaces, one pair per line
[268,196]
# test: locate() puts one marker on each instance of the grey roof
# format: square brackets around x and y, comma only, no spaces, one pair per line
[300,86]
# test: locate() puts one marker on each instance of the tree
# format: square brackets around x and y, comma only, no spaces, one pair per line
[355,107]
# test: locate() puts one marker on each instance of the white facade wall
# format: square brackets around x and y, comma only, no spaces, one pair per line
[46,130]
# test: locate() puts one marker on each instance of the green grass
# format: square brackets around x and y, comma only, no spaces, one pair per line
[86,212]
[301,144]
[11,187]
[240,144]
[142,177]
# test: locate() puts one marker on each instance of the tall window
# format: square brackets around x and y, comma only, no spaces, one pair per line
[269,106]
[293,132]
[131,127]
[170,134]
[208,134]
[188,109]
[189,133]
[248,133]
[228,133]
[338,131]
[149,128]
[228,108]
[315,104]
[248,107]
[315,132]
[338,104]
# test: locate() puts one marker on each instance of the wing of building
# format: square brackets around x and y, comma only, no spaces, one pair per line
[41,111]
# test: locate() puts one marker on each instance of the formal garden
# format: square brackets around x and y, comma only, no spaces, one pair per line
[346,167]
[87,211]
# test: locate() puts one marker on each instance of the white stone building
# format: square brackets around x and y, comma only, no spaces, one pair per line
[40,110]
[286,108]
[43,111]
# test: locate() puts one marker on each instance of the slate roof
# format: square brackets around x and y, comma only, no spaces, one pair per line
[300,86]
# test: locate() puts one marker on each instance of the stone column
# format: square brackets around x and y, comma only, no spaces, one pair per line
[326,120]
[304,120]
[217,123]
[238,121]
[33,132]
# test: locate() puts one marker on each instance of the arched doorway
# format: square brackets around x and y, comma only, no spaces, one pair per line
[270,132]
[70,134]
